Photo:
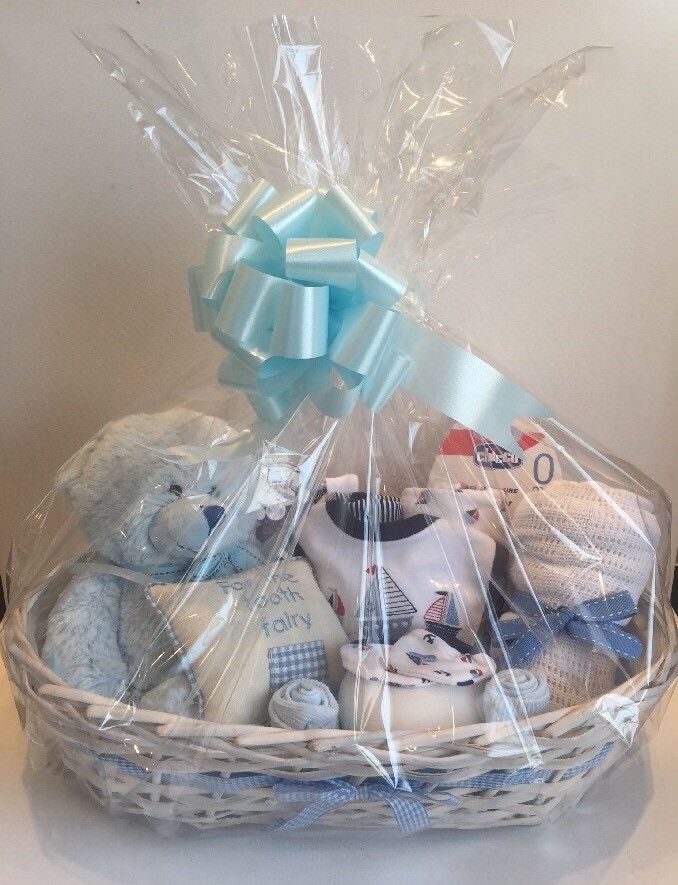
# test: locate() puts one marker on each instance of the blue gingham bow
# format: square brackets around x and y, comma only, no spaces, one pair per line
[593,621]
[326,796]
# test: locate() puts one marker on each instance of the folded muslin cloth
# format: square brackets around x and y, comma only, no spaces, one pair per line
[513,694]
[302,704]
[582,546]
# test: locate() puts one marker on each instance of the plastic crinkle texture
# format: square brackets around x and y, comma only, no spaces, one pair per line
[357,576]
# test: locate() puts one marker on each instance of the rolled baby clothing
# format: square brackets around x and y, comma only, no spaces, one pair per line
[515,693]
[302,704]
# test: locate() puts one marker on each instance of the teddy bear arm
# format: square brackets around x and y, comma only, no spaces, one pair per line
[81,639]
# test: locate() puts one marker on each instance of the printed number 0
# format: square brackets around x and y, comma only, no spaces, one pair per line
[549,470]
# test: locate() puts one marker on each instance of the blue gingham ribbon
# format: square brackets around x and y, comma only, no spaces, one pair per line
[593,621]
[292,289]
[499,779]
[326,796]
[322,797]
[215,784]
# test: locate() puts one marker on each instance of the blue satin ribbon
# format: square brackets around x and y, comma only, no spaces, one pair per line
[292,289]
[593,621]
[326,796]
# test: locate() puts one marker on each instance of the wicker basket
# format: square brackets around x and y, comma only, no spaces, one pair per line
[170,768]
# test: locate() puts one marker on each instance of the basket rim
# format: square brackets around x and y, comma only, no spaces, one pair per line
[19,645]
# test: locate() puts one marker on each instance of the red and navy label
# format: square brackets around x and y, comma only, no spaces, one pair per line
[466,443]
[493,457]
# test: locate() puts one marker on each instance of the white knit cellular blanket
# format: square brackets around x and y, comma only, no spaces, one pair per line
[578,541]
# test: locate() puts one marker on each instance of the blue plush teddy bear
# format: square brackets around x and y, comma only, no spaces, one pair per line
[151,504]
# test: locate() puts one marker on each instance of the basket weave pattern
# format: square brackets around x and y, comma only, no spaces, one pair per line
[169,768]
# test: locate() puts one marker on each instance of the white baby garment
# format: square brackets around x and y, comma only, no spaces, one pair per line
[470,459]
[479,508]
[421,572]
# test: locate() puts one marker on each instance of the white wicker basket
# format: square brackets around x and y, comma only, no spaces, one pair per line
[170,768]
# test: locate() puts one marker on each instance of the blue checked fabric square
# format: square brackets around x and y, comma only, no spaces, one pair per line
[305,660]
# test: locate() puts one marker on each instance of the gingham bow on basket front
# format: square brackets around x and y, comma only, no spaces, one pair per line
[323,797]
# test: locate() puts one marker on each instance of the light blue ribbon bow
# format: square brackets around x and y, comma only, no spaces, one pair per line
[326,796]
[291,288]
[593,621]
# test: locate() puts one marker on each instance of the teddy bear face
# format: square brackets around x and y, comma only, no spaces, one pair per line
[145,501]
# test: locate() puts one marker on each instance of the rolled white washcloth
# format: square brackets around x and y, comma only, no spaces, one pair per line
[303,703]
[514,693]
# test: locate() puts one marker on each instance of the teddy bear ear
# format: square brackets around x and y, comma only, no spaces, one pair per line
[69,474]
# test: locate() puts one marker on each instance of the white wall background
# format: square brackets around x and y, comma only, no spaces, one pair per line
[94,241]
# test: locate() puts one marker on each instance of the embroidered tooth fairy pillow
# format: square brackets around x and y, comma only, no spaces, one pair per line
[243,637]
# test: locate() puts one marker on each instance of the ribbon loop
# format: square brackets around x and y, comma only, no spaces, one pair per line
[330,261]
[594,622]
[345,213]
[363,337]
[327,796]
[378,283]
[289,216]
[291,289]
[260,194]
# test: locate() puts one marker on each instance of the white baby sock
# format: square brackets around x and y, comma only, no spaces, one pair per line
[514,694]
[303,703]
